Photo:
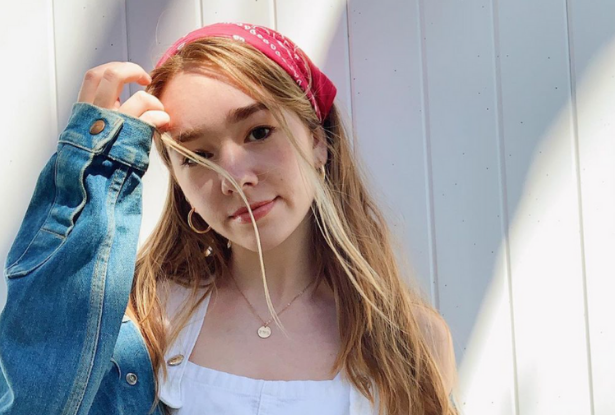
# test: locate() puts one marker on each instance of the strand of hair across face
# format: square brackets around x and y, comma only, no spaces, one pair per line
[206,163]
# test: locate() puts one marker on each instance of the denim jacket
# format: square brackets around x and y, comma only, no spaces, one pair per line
[65,345]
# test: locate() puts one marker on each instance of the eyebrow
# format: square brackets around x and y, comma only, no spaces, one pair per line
[233,117]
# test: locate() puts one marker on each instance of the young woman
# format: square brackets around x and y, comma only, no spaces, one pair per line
[269,286]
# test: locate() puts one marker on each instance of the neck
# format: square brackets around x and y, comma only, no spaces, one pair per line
[289,268]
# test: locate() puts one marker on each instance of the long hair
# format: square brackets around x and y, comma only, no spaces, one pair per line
[382,347]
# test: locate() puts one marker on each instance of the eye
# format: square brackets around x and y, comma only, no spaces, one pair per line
[261,132]
[189,162]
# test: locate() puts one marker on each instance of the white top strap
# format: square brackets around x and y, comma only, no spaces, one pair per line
[178,353]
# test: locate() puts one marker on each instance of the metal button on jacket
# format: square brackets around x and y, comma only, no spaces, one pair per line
[97,127]
[175,360]
[131,378]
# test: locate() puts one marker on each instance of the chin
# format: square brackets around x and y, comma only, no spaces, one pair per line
[269,240]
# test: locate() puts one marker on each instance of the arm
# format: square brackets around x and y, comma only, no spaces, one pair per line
[70,268]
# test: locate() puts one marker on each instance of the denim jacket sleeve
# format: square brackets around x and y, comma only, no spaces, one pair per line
[70,269]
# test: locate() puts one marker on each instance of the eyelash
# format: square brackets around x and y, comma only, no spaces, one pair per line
[187,161]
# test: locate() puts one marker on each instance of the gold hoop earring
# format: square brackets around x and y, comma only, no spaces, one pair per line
[192,226]
[323,173]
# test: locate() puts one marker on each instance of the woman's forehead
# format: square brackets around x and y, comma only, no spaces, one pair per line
[189,86]
[192,99]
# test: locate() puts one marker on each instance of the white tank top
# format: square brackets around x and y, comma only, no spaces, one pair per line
[191,389]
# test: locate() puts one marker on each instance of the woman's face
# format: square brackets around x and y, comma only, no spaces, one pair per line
[221,123]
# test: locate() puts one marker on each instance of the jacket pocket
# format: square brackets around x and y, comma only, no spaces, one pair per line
[59,197]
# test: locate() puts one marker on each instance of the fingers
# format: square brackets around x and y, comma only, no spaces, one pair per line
[156,118]
[103,84]
[140,102]
[113,80]
[146,107]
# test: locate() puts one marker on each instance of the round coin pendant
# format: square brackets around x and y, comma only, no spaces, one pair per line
[264,332]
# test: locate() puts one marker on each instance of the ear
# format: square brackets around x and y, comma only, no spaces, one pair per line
[319,147]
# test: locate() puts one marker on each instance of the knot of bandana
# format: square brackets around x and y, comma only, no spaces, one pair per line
[278,48]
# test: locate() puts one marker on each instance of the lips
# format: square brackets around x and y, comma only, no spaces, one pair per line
[259,210]
[253,206]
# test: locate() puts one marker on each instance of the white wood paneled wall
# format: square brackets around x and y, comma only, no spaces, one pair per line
[487,131]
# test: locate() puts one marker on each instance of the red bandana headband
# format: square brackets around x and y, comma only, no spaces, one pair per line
[279,49]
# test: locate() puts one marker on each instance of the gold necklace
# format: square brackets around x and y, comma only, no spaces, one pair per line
[264,331]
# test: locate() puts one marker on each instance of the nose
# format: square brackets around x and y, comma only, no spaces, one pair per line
[240,165]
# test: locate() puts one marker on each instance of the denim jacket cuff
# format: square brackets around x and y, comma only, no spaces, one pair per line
[123,138]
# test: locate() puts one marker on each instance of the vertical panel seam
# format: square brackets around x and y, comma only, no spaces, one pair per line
[201,13]
[350,72]
[54,68]
[274,10]
[504,222]
[577,172]
[433,254]
[130,85]
[126,29]
[349,83]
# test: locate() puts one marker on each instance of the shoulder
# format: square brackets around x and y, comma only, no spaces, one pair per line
[432,325]
[173,298]
[439,340]
[171,295]
[178,301]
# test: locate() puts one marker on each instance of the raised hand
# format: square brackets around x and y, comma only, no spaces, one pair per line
[102,86]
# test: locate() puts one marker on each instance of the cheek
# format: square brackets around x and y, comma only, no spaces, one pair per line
[295,185]
[285,161]
[196,185]
[283,172]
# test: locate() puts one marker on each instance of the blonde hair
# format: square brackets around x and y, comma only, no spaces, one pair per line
[382,347]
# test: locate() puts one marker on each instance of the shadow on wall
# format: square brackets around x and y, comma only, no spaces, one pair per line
[543,194]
